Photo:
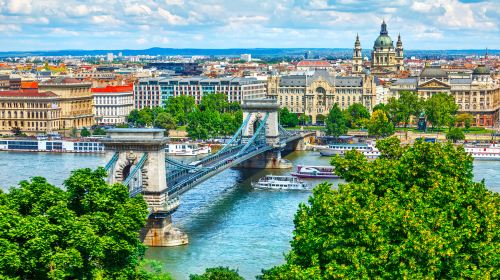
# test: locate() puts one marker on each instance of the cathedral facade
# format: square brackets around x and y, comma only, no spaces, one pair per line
[386,59]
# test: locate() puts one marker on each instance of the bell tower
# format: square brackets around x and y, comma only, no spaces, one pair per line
[399,54]
[357,57]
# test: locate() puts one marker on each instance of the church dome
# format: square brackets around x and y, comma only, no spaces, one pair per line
[383,41]
[481,70]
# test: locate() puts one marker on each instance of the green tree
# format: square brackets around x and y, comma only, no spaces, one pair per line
[73,132]
[320,118]
[439,109]
[336,123]
[357,115]
[393,111]
[99,131]
[197,127]
[217,273]
[166,121]
[304,119]
[379,125]
[87,231]
[133,117]
[381,106]
[465,119]
[84,132]
[455,134]
[409,105]
[288,119]
[16,131]
[413,213]
[214,102]
[145,117]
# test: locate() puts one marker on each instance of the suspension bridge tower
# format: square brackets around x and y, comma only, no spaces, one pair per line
[136,158]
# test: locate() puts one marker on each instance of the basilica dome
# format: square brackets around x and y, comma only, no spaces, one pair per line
[383,41]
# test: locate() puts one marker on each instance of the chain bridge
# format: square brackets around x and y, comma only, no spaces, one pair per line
[137,159]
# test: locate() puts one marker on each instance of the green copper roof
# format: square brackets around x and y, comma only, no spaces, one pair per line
[481,70]
[383,41]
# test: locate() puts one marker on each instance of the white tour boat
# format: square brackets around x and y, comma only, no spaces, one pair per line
[368,149]
[274,182]
[187,149]
[484,152]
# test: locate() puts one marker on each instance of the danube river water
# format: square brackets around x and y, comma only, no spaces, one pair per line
[228,222]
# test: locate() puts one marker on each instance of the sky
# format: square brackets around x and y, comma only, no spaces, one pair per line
[129,24]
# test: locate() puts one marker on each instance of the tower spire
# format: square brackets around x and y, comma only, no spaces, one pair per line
[383,28]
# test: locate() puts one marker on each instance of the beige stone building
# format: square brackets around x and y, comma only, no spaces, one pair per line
[29,110]
[475,93]
[76,101]
[315,94]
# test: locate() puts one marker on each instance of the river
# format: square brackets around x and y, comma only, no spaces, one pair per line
[228,222]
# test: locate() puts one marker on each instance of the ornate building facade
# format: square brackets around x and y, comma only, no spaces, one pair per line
[385,58]
[75,100]
[357,57]
[31,111]
[475,93]
[315,94]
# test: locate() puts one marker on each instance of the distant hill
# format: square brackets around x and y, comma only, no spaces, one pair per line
[257,53]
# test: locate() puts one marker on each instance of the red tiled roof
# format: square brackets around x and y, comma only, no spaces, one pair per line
[62,80]
[127,88]
[28,85]
[27,93]
[314,63]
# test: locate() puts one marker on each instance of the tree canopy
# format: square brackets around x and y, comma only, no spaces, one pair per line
[217,273]
[413,213]
[288,119]
[88,231]
[439,109]
[336,123]
[357,115]
[379,125]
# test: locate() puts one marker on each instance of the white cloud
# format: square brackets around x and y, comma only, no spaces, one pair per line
[137,10]
[107,20]
[141,41]
[171,18]
[63,32]
[19,6]
[175,2]
[37,20]
[7,28]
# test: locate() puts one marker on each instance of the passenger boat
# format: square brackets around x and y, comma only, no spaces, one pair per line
[484,152]
[274,182]
[368,149]
[54,145]
[187,149]
[314,172]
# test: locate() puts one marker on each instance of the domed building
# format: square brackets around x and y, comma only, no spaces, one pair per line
[385,58]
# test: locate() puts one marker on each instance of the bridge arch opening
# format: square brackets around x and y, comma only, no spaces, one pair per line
[126,172]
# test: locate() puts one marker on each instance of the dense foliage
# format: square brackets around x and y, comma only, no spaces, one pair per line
[357,115]
[455,134]
[88,231]
[440,109]
[288,119]
[217,273]
[413,213]
[403,108]
[336,122]
[379,125]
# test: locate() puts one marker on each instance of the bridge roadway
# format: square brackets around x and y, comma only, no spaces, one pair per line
[181,180]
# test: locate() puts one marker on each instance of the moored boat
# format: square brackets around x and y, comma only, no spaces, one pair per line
[314,172]
[484,152]
[368,150]
[274,182]
[187,149]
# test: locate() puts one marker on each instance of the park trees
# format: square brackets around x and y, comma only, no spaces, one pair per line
[217,273]
[402,109]
[455,134]
[357,115]
[379,125]
[414,213]
[464,119]
[440,109]
[84,132]
[180,107]
[288,119]
[88,231]
[166,121]
[336,123]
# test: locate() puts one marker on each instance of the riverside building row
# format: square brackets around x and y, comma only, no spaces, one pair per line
[152,92]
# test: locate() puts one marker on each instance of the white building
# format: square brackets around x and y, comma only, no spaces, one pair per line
[246,57]
[110,57]
[112,104]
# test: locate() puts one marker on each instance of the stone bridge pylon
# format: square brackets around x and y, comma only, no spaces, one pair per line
[136,158]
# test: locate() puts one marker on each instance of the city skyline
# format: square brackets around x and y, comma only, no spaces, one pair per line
[89,25]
